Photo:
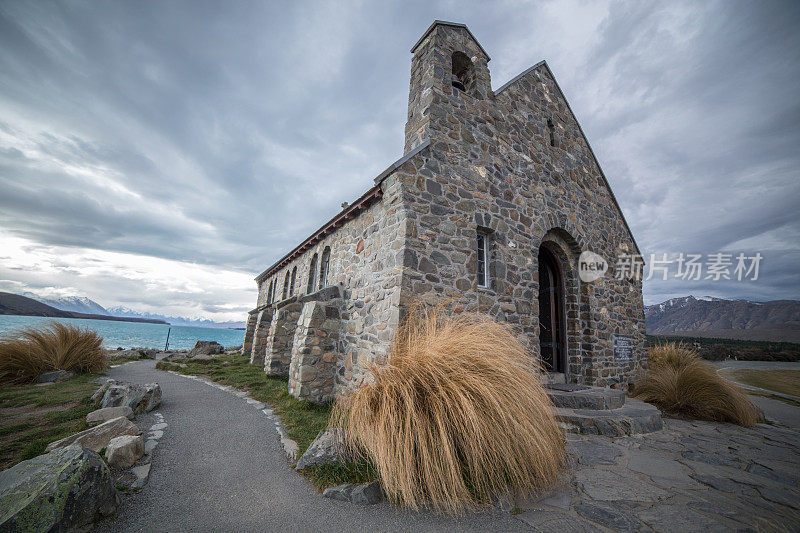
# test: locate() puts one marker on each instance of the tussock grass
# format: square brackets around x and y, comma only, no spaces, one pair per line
[457,417]
[681,383]
[56,346]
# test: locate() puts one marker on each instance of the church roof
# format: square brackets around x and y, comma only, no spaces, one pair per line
[454,25]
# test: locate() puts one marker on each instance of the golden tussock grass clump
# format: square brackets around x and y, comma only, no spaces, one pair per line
[681,383]
[56,346]
[456,417]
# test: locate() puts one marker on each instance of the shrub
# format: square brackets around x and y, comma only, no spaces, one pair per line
[457,416]
[681,383]
[56,346]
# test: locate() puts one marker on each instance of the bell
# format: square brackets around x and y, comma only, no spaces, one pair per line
[458,85]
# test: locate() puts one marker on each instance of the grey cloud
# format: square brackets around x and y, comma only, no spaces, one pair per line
[239,128]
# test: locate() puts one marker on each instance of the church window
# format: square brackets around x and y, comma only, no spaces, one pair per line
[323,267]
[294,279]
[312,275]
[551,128]
[286,285]
[483,260]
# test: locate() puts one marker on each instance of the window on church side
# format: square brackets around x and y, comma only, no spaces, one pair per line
[286,285]
[551,128]
[312,275]
[294,279]
[323,267]
[483,261]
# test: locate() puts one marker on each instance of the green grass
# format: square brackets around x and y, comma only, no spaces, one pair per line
[783,381]
[32,417]
[303,420]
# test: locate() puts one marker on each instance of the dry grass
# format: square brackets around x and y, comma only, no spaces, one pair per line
[457,417]
[56,346]
[681,383]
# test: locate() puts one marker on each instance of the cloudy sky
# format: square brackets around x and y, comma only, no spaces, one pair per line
[159,155]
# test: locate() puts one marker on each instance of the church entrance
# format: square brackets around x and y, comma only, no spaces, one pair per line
[552,330]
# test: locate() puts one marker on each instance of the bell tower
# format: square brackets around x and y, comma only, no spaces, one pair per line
[448,64]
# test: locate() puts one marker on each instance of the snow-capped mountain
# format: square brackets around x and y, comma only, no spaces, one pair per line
[175,321]
[81,304]
[76,304]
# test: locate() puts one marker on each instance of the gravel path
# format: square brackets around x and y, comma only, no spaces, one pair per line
[220,467]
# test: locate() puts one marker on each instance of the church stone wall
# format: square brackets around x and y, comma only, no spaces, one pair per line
[366,260]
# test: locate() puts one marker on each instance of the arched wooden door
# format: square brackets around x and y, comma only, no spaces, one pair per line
[552,340]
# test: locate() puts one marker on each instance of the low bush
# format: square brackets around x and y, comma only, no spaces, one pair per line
[56,346]
[680,383]
[456,417]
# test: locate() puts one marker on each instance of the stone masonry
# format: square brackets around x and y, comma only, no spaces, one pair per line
[281,337]
[314,350]
[511,165]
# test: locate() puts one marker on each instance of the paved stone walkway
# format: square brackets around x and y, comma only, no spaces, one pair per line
[220,467]
[691,476]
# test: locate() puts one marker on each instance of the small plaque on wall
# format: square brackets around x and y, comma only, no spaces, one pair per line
[623,348]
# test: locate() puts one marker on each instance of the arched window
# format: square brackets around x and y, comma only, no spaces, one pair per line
[294,279]
[323,266]
[463,77]
[312,275]
[551,128]
[286,285]
[269,293]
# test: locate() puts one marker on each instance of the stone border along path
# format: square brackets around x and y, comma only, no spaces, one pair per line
[219,469]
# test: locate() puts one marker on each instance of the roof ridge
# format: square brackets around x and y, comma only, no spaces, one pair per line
[454,25]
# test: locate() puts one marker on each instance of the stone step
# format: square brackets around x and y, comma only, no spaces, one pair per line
[574,396]
[634,418]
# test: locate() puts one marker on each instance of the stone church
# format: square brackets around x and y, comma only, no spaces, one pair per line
[496,196]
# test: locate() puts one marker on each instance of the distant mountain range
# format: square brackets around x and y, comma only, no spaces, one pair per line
[81,304]
[15,304]
[777,320]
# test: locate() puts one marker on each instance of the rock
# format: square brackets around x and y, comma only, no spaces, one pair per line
[64,490]
[176,356]
[55,375]
[340,492]
[142,473]
[98,437]
[367,494]
[136,353]
[328,447]
[109,413]
[137,397]
[122,452]
[206,348]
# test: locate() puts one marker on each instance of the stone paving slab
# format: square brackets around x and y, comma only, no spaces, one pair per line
[690,476]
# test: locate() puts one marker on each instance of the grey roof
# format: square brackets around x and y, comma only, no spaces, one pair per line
[454,25]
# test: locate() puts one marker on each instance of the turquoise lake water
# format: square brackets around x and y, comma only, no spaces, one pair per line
[133,334]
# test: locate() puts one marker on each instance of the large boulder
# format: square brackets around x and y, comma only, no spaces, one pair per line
[328,447]
[65,490]
[140,398]
[122,452]
[206,348]
[109,413]
[98,437]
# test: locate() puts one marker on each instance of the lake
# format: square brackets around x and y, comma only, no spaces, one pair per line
[133,334]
